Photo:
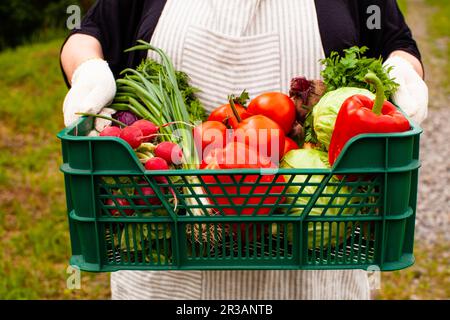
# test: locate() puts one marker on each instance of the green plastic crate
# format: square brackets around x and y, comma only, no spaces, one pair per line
[374,228]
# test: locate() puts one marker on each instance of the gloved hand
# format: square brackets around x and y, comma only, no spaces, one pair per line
[412,95]
[93,87]
[100,123]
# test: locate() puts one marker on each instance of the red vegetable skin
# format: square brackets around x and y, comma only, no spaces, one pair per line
[209,135]
[289,145]
[169,151]
[157,163]
[239,156]
[120,203]
[236,156]
[262,134]
[225,115]
[359,115]
[111,132]
[276,106]
[148,129]
[133,136]
[210,156]
[149,195]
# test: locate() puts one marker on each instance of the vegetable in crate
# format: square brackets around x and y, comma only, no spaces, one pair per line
[305,94]
[289,145]
[260,133]
[235,194]
[147,91]
[208,136]
[226,115]
[126,117]
[119,205]
[111,132]
[325,112]
[157,92]
[138,239]
[275,106]
[350,70]
[239,156]
[263,135]
[360,114]
[315,159]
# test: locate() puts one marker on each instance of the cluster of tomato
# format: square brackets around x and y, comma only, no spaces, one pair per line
[262,126]
[238,137]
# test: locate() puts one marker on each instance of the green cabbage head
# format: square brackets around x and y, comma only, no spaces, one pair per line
[315,159]
[327,109]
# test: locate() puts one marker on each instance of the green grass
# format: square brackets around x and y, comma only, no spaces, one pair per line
[428,278]
[403,6]
[33,227]
[439,33]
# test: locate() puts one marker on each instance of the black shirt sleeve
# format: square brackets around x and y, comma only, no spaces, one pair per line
[394,33]
[117,24]
[343,24]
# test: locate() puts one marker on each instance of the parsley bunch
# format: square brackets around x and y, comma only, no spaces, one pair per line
[349,71]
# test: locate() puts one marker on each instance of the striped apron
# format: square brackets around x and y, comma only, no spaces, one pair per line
[225,47]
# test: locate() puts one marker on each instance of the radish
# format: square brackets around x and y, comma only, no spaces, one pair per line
[133,136]
[149,194]
[155,164]
[111,132]
[169,151]
[148,128]
[120,203]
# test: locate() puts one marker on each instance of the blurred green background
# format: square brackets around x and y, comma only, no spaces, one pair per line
[34,235]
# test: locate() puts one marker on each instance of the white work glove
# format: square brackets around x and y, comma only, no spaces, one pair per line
[100,123]
[93,87]
[412,95]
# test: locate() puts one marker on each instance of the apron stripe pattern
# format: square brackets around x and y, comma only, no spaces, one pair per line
[225,47]
[233,68]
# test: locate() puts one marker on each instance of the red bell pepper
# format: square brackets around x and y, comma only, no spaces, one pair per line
[360,114]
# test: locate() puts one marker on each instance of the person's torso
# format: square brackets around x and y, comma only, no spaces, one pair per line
[228,46]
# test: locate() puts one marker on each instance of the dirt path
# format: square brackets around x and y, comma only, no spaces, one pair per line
[433,214]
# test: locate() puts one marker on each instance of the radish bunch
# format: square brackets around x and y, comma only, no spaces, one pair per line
[143,131]
[156,158]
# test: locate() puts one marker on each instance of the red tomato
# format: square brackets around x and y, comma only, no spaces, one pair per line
[209,135]
[240,156]
[210,157]
[263,135]
[289,145]
[276,106]
[225,115]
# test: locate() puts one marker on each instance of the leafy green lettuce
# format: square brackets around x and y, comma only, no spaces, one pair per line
[326,110]
[315,159]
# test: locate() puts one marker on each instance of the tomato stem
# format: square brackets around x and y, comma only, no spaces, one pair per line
[233,108]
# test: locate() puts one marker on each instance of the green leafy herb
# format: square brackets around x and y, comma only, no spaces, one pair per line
[349,71]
